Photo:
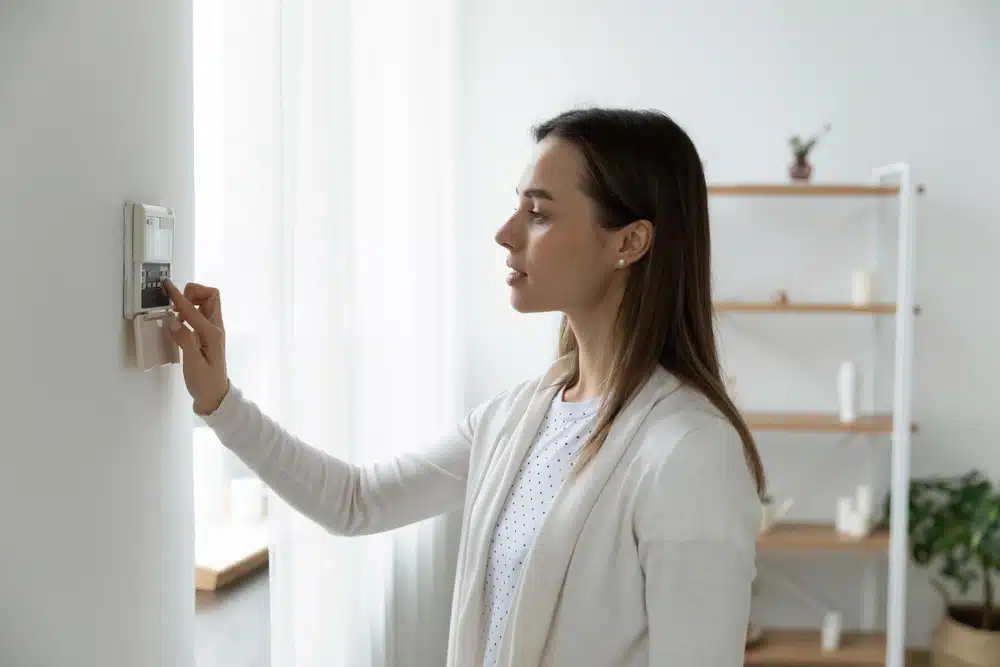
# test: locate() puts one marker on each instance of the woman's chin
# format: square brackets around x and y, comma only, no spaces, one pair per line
[519,302]
[522,303]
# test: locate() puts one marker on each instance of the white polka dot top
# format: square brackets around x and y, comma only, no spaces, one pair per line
[562,433]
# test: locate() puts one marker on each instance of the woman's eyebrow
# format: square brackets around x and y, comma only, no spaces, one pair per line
[536,193]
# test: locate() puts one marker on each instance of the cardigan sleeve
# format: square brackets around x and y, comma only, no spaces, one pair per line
[344,498]
[696,521]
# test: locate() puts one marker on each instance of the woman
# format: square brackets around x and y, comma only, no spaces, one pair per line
[611,506]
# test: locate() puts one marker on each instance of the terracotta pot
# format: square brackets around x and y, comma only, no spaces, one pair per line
[957,644]
[800,170]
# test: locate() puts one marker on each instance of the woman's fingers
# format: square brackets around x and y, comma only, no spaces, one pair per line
[205,329]
[197,293]
[184,337]
[208,301]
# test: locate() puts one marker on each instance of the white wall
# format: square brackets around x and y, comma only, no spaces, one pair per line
[898,81]
[96,563]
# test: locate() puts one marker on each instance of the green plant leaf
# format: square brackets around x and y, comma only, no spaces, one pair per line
[954,527]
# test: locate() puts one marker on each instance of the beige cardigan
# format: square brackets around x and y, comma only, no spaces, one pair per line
[645,560]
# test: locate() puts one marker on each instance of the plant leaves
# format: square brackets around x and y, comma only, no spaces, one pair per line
[954,526]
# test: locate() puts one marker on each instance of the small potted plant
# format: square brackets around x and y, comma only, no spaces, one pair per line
[801,169]
[954,530]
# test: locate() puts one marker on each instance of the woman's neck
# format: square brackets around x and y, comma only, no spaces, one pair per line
[594,332]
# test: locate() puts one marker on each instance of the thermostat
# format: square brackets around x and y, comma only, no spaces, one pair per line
[148,251]
[149,256]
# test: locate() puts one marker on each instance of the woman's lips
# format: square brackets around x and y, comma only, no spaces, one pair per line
[514,276]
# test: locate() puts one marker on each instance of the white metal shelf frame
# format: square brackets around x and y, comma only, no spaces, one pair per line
[902,398]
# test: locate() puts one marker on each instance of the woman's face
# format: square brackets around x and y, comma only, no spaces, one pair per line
[561,259]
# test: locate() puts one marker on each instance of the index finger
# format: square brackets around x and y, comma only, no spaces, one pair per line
[191,314]
[207,299]
[197,293]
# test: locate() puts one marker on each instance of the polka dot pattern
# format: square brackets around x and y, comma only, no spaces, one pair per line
[562,433]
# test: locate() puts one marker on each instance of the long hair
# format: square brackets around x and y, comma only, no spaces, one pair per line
[641,165]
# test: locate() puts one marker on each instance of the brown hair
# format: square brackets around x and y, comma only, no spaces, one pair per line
[642,165]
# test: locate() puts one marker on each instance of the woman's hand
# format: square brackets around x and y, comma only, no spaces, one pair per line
[204,343]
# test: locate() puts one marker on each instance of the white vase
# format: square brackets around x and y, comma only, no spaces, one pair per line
[847,391]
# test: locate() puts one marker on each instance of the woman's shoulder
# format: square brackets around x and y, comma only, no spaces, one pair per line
[682,413]
[689,450]
[685,432]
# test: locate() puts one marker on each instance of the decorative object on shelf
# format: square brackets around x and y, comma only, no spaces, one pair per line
[855,514]
[847,391]
[847,522]
[861,287]
[754,634]
[772,513]
[247,500]
[801,170]
[780,297]
[954,527]
[831,631]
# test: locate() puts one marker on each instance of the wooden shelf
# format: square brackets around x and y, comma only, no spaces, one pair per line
[791,536]
[802,648]
[817,422]
[803,190]
[815,307]
[226,552]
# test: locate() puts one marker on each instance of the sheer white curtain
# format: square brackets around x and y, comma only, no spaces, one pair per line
[324,214]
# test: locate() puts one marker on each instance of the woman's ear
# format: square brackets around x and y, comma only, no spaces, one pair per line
[634,241]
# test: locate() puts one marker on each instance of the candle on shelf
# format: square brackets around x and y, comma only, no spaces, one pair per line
[845,515]
[847,391]
[858,525]
[831,631]
[861,287]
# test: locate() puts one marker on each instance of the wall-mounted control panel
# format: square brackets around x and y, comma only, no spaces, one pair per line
[148,261]
[149,250]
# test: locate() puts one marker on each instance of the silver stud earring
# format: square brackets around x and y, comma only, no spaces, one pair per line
[621,262]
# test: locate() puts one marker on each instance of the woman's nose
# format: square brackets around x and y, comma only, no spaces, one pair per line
[505,235]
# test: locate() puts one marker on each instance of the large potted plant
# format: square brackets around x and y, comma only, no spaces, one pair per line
[954,531]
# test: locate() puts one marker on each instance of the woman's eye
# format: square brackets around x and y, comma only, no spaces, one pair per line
[533,214]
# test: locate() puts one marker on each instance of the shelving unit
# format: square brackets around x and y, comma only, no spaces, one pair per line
[805,189]
[768,307]
[798,648]
[871,646]
[817,422]
[788,537]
